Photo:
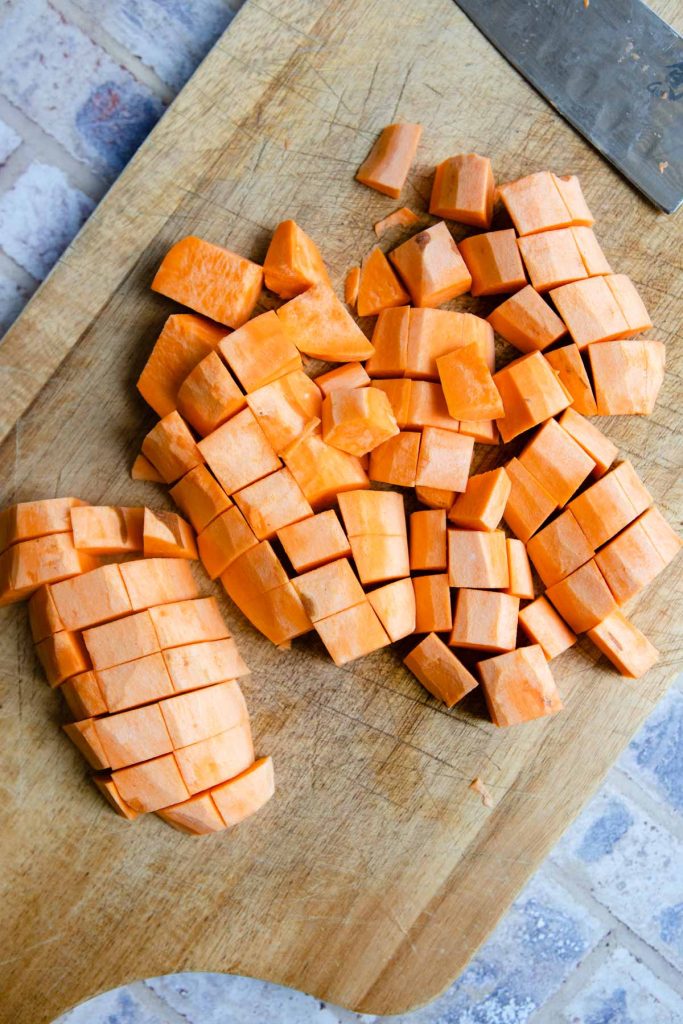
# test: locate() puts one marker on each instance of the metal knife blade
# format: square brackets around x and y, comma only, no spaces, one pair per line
[612,68]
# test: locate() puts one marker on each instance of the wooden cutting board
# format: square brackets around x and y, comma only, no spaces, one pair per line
[376,873]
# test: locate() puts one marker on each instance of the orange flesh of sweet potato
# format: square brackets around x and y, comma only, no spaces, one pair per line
[285,408]
[602,451]
[30,520]
[519,686]
[570,190]
[322,471]
[126,639]
[209,396]
[85,739]
[531,394]
[107,529]
[494,262]
[477,559]
[223,540]
[559,548]
[171,448]
[329,589]
[157,581]
[390,343]
[201,714]
[184,341]
[380,558]
[482,504]
[279,613]
[142,469]
[557,461]
[188,622]
[196,665]
[593,257]
[436,332]
[521,582]
[439,671]
[399,391]
[483,431]
[428,548]
[399,218]
[352,633]
[394,606]
[350,375]
[386,166]
[238,452]
[91,598]
[197,816]
[552,258]
[528,504]
[536,203]
[485,620]
[444,460]
[590,311]
[322,328]
[427,406]
[583,598]
[544,627]
[630,303]
[271,503]
[610,504]
[568,365]
[432,603]
[351,286]
[62,655]
[199,495]
[43,616]
[636,556]
[431,266]
[253,573]
[627,376]
[373,512]
[527,321]
[135,682]
[151,785]
[113,798]
[625,646]
[379,288]
[357,420]
[167,534]
[132,736]
[293,262]
[210,280]
[260,351]
[314,541]
[463,190]
[470,391]
[245,794]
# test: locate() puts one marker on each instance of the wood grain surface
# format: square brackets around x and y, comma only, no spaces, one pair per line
[376,872]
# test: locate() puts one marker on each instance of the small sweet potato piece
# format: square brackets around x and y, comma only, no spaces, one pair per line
[132,736]
[349,375]
[188,622]
[271,503]
[519,686]
[352,633]
[390,343]
[627,376]
[485,620]
[202,664]
[62,655]
[260,351]
[394,606]
[373,512]
[528,504]
[544,627]
[559,548]
[184,341]
[602,451]
[126,639]
[171,448]
[428,549]
[494,263]
[431,266]
[107,529]
[536,203]
[245,794]
[440,671]
[209,396]
[568,365]
[610,504]
[285,408]
[197,816]
[135,682]
[329,589]
[583,598]
[200,714]
[157,581]
[380,558]
[151,785]
[395,461]
[436,332]
[386,166]
[351,286]
[531,394]
[527,321]
[321,327]
[478,559]
[293,262]
[557,461]
[552,258]
[357,420]
[93,597]
[625,646]
[223,540]
[167,534]
[199,495]
[238,452]
[322,471]
[463,190]
[43,616]
[469,388]
[521,584]
[590,311]
[444,460]
[379,286]
[482,505]
[432,603]
[314,541]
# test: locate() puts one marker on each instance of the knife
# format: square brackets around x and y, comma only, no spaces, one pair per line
[612,68]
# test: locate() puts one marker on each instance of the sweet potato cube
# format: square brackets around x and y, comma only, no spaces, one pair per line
[470,391]
[610,504]
[188,622]
[135,682]
[171,448]
[29,564]
[527,321]
[559,548]
[552,258]
[83,696]
[629,302]
[200,714]
[142,469]
[352,633]
[594,259]
[271,503]
[113,797]
[627,376]
[322,471]
[238,452]
[463,190]
[432,603]
[485,620]
[62,655]
[321,327]
[663,537]
[380,558]
[202,664]
[373,512]
[293,262]
[625,646]
[253,573]
[209,396]
[544,627]
[285,408]
[531,394]
[351,286]
[114,643]
[428,549]
[431,266]
[133,736]
[557,461]
[245,794]
[197,816]
[390,342]
[528,504]
[395,461]
[379,287]
[386,166]
[570,189]
[199,495]
[482,504]
[344,377]
[399,391]
[210,280]
[157,581]
[330,588]
[494,262]
[394,605]
[521,584]
[535,203]
[314,541]
[184,341]
[568,365]
[478,559]
[440,671]
[519,686]
[357,420]
[436,332]
[168,535]
[583,598]
[444,460]
[435,497]
[278,613]
[84,737]
[107,529]
[426,406]
[636,556]
[151,785]
[590,311]
[94,597]
[602,451]
[43,615]
[224,540]
[401,218]
[260,351]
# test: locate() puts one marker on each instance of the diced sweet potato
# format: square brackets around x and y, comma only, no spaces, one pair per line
[168,535]
[184,341]
[559,548]
[519,686]
[568,365]
[200,714]
[426,406]
[521,584]
[629,302]
[478,559]
[557,461]
[431,266]
[610,504]
[399,391]
[330,588]
[293,262]
[528,504]
[627,376]
[357,420]
[636,556]
[394,605]
[157,581]
[428,549]
[62,655]
[142,469]
[171,448]
[285,408]
[349,375]
[537,202]
[468,386]
[395,461]
[380,558]
[245,794]
[210,280]
[436,332]
[260,351]
[113,797]
[590,311]
[527,321]
[432,603]
[253,573]
[196,817]
[224,540]
[107,529]
[435,497]
[209,396]
[188,622]
[552,258]
[570,190]
[135,682]
[278,613]
[151,785]
[29,564]
[544,627]
[482,504]
[402,217]
[373,512]
[322,471]
[133,736]
[43,615]
[126,639]
[463,190]
[84,737]
[602,451]
[32,519]
[202,664]
[199,495]
[386,166]
[351,286]
[583,599]
[494,262]
[271,503]
[625,646]
[321,327]
[379,286]
[390,342]
[352,633]
[314,541]
[239,452]
[440,671]
[663,537]
[485,620]
[531,394]
[91,598]
[444,460]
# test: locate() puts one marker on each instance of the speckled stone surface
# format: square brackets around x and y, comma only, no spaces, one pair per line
[596,937]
